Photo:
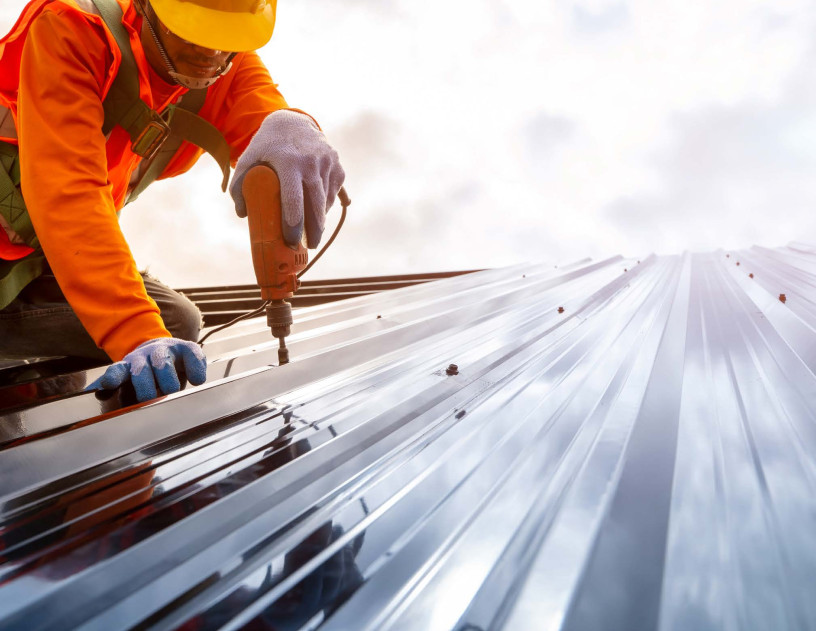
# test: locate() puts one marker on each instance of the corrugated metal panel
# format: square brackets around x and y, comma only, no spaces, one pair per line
[623,445]
[222,304]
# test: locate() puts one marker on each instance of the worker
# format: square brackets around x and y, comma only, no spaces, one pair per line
[68,283]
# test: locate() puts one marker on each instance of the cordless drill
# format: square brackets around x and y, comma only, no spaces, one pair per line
[277,264]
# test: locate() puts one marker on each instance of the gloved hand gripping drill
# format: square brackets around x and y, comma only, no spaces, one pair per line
[285,183]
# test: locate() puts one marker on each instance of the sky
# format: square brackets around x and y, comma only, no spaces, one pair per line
[485,133]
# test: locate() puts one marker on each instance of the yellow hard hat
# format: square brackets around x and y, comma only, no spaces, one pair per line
[228,25]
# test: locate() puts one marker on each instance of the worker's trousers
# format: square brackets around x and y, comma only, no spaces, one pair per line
[41,323]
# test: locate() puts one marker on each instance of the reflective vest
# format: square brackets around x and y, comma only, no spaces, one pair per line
[155,137]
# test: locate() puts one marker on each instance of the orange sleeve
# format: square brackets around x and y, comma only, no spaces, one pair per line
[65,181]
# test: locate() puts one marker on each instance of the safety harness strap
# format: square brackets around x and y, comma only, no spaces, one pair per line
[11,199]
[123,104]
[16,274]
[183,124]
[149,131]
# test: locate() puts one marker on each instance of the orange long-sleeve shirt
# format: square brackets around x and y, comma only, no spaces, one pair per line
[56,67]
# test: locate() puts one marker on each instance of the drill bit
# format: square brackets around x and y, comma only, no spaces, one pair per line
[283,353]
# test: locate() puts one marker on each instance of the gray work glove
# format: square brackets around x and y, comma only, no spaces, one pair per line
[154,363]
[308,168]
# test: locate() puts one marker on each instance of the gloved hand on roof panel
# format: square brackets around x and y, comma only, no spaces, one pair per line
[153,364]
[308,168]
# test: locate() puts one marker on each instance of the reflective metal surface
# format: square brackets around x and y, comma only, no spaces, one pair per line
[621,444]
[222,304]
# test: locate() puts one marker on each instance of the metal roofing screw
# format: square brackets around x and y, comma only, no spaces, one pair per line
[560,309]
[737,262]
[379,316]
[460,414]
[783,298]
[625,269]
[728,256]
[750,275]
[453,369]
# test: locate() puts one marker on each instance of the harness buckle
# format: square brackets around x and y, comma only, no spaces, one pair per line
[152,137]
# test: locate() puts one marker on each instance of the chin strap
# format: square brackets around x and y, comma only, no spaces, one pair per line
[197,83]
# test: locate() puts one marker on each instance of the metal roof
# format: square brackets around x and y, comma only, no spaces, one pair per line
[621,444]
[223,303]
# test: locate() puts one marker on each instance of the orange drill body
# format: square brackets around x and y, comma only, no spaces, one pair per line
[276,263]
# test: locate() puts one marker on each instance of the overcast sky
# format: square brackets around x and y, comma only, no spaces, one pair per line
[480,133]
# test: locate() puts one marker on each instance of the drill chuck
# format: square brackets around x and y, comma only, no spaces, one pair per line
[279,318]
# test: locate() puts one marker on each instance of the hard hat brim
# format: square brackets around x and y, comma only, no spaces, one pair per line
[230,31]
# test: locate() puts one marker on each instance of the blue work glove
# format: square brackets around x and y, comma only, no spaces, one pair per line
[152,363]
[308,169]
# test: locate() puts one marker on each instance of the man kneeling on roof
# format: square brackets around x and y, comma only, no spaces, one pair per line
[87,89]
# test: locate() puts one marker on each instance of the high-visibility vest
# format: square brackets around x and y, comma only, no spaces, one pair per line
[154,136]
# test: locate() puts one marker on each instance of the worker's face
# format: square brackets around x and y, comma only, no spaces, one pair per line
[191,59]
[188,58]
